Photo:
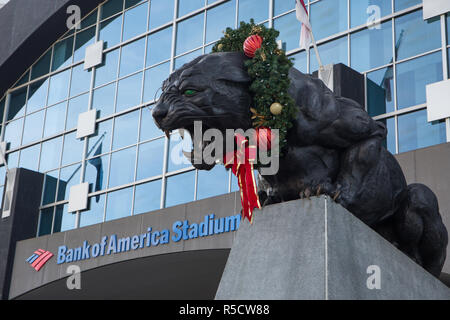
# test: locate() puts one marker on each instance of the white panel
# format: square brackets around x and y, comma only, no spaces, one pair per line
[78,197]
[433,8]
[93,55]
[438,100]
[3,153]
[326,75]
[86,123]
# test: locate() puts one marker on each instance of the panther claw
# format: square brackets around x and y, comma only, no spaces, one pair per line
[337,194]
[307,193]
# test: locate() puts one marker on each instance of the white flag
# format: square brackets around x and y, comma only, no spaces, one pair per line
[302,16]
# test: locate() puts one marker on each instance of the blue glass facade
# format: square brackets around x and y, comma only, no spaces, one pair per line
[128,161]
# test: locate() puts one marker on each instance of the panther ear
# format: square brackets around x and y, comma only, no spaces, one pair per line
[232,67]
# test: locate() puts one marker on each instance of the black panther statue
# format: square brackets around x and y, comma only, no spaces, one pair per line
[334,148]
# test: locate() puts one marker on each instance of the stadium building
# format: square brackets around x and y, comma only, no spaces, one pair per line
[107,191]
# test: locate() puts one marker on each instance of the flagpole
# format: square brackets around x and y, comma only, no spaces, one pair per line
[316,49]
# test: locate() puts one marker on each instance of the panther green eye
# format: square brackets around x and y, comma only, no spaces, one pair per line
[190,92]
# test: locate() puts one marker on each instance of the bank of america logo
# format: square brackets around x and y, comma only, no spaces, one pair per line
[39,258]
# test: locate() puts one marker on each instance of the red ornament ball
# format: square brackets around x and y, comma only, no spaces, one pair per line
[251,44]
[263,137]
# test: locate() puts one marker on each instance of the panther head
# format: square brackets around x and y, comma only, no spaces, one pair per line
[213,89]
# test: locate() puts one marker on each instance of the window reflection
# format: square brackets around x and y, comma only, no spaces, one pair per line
[281,6]
[34,124]
[63,220]
[414,75]
[103,100]
[119,204]
[42,66]
[37,95]
[161,12]
[154,78]
[81,80]
[159,46]
[50,155]
[180,188]
[403,4]
[82,40]
[59,87]
[335,52]
[107,72]
[176,159]
[289,28]
[111,7]
[414,131]
[95,212]
[69,176]
[189,34]
[110,31]
[414,35]
[103,132]
[328,17]
[389,142]
[186,6]
[73,149]
[212,183]
[13,133]
[129,92]
[364,11]
[135,21]
[371,48]
[62,54]
[132,57]
[300,61]
[150,159]
[217,20]
[122,167]
[149,130]
[29,157]
[126,130]
[17,104]
[75,107]
[380,91]
[97,169]
[254,9]
[179,62]
[45,222]
[147,197]
[50,184]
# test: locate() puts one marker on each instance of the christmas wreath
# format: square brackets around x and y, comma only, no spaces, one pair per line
[269,68]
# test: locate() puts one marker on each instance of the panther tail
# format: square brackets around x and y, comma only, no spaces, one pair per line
[420,230]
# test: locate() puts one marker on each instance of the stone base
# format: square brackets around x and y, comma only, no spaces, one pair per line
[316,249]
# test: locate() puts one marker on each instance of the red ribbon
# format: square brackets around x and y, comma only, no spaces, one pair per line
[241,163]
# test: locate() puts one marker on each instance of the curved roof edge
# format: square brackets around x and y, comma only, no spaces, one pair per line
[27,29]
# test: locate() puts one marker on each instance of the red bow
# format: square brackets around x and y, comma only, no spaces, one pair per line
[241,164]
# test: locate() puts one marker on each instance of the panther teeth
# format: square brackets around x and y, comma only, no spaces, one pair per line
[167,132]
[181,131]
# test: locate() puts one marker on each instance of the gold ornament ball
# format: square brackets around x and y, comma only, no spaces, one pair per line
[220,46]
[276,108]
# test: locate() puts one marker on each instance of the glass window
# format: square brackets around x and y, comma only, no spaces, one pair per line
[335,51]
[17,103]
[179,62]
[448,28]
[62,54]
[95,212]
[55,119]
[126,130]
[81,80]
[217,20]
[366,11]
[180,189]
[403,4]
[147,197]
[389,142]
[50,155]
[82,40]
[177,160]
[380,91]
[13,133]
[34,124]
[37,95]
[69,176]
[161,12]
[300,61]
[119,204]
[129,92]
[29,157]
[63,220]
[289,28]
[187,6]
[107,72]
[414,75]
[159,46]
[154,78]
[122,167]
[24,79]
[89,20]
[103,100]
[150,159]
[328,17]
[45,222]
[254,9]
[371,48]
[149,130]
[13,159]
[132,57]
[130,3]
[212,183]
[76,106]
[414,35]
[135,21]
[110,31]
[50,183]
[111,7]
[97,170]
[42,66]
[103,132]
[281,6]
[189,34]
[414,131]
[59,85]
[73,149]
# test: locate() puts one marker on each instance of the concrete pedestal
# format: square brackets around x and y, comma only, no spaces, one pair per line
[316,249]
